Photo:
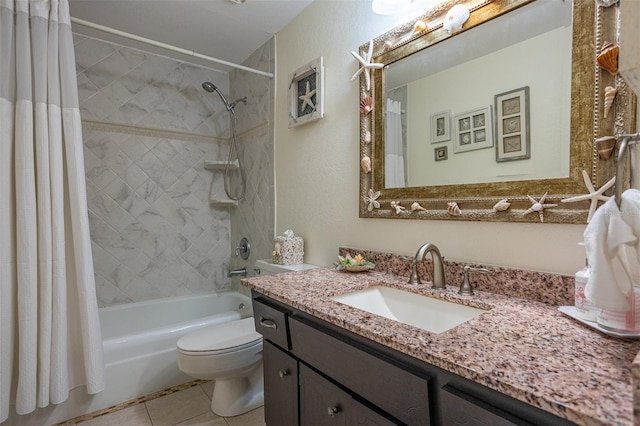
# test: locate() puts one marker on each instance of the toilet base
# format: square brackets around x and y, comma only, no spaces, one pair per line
[232,397]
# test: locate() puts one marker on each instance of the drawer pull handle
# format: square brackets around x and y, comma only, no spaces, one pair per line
[268,323]
[283,373]
[332,411]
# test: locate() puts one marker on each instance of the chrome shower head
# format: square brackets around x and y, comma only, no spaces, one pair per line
[210,87]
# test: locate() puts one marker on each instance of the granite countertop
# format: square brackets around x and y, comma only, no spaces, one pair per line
[524,349]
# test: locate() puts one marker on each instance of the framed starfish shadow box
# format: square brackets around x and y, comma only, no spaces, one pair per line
[306,93]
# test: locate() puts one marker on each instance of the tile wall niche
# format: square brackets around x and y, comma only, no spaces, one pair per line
[153,232]
[254,217]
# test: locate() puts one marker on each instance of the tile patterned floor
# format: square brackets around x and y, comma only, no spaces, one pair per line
[186,407]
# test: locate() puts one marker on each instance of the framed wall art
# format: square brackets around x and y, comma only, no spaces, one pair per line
[512,125]
[441,153]
[473,130]
[306,93]
[440,127]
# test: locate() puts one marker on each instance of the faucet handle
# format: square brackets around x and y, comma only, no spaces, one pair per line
[465,287]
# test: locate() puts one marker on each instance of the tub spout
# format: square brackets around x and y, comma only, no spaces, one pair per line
[240,272]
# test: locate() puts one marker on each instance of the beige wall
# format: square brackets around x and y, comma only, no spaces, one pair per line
[317,183]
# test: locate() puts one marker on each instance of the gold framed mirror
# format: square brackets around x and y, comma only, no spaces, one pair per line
[592,26]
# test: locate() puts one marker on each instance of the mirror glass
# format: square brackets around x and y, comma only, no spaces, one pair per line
[491,104]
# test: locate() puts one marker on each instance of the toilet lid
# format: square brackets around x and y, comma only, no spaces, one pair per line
[221,337]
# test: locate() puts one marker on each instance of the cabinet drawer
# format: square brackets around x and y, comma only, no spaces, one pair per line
[271,322]
[395,390]
[459,408]
[323,403]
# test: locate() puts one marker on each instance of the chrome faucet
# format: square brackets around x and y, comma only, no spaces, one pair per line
[240,272]
[438,268]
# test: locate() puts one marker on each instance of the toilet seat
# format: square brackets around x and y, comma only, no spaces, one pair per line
[220,338]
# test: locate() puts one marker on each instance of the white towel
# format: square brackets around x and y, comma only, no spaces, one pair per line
[611,245]
[630,207]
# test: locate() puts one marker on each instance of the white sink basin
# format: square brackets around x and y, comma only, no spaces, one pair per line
[424,312]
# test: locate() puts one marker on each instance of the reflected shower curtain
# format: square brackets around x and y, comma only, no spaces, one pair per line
[394,157]
[50,338]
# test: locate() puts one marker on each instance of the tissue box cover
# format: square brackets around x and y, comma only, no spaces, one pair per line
[288,250]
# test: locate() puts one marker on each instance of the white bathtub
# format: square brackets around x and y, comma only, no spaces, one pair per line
[139,342]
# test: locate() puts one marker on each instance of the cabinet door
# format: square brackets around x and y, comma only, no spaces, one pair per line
[323,403]
[280,386]
[459,408]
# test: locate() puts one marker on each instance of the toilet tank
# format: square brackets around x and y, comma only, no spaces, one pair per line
[267,267]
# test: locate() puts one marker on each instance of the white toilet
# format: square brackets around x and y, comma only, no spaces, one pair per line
[231,354]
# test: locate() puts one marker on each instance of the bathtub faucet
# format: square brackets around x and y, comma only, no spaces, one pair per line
[240,272]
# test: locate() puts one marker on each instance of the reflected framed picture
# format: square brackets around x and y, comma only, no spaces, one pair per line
[440,153]
[473,130]
[440,127]
[512,125]
[306,93]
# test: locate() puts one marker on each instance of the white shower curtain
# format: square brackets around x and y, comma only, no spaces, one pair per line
[394,146]
[50,338]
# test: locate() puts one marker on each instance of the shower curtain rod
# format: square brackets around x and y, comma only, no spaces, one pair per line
[166,46]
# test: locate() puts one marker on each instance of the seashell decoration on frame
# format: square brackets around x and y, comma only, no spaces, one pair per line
[608,57]
[455,18]
[396,205]
[502,205]
[416,207]
[366,65]
[419,27]
[605,146]
[538,206]
[366,105]
[454,209]
[365,164]
[609,96]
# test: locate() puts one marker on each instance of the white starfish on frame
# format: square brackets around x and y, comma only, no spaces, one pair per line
[372,199]
[538,206]
[366,65]
[306,98]
[593,195]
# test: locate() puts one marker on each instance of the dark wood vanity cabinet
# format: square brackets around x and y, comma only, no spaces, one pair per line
[319,374]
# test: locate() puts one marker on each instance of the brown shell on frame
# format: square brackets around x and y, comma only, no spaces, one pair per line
[605,146]
[608,57]
[366,105]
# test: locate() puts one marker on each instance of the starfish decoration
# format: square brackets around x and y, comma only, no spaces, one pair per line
[593,195]
[372,199]
[538,206]
[366,65]
[306,98]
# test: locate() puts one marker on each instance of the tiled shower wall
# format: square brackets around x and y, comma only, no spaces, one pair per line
[254,217]
[153,231]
